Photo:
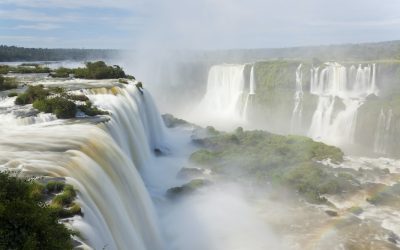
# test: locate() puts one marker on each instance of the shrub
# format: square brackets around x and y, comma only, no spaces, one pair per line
[122,80]
[55,186]
[90,110]
[7,83]
[81,98]
[93,70]
[4,69]
[61,72]
[60,106]
[30,69]
[33,93]
[12,94]
[24,222]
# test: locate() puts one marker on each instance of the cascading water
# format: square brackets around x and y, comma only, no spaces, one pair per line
[382,134]
[251,94]
[118,212]
[336,86]
[229,95]
[296,120]
[225,90]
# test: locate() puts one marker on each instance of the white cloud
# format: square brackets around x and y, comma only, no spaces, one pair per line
[38,26]
[71,4]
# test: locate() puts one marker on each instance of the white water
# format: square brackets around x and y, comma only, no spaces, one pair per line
[297,114]
[250,96]
[118,212]
[382,134]
[225,89]
[335,85]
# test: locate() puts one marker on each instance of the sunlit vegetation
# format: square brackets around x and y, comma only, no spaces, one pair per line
[26,222]
[12,94]
[31,94]
[93,70]
[57,101]
[60,106]
[7,83]
[24,69]
[268,158]
[91,110]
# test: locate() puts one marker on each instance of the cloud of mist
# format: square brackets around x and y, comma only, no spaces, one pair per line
[225,24]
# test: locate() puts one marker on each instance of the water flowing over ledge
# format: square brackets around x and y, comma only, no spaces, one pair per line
[102,161]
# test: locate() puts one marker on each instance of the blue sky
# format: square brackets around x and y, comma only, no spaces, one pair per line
[194,24]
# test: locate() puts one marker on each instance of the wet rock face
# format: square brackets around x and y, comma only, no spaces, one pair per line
[393,238]
[331,213]
[172,122]
[187,188]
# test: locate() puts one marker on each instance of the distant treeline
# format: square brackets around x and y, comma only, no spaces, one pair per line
[13,53]
[344,52]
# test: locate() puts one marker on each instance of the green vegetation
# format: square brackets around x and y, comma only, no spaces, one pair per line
[7,83]
[61,72]
[25,221]
[389,195]
[93,70]
[12,53]
[91,110]
[24,69]
[57,101]
[31,94]
[62,204]
[12,94]
[60,106]
[122,80]
[282,160]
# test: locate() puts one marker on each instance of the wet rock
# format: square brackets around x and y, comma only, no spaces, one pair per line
[172,122]
[331,213]
[393,238]
[187,188]
[158,152]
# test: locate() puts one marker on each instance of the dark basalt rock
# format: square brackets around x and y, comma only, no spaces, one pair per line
[187,188]
[331,213]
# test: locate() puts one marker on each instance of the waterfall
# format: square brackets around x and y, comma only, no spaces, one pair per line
[225,91]
[251,94]
[335,86]
[252,88]
[132,116]
[101,162]
[296,120]
[382,134]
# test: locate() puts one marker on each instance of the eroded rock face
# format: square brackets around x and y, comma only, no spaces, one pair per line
[172,122]
[187,188]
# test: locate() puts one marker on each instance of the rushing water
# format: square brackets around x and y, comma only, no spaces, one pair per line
[335,85]
[229,96]
[297,114]
[225,89]
[121,184]
[118,212]
[382,134]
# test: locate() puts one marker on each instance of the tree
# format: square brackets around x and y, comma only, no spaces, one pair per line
[25,222]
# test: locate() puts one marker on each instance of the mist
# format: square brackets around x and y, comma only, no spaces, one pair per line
[207,125]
